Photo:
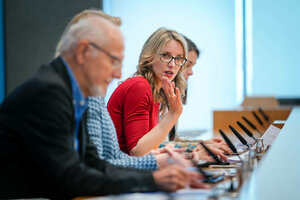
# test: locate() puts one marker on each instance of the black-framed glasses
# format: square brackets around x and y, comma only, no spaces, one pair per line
[117,61]
[167,58]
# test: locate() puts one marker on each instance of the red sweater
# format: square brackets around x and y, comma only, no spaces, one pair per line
[133,111]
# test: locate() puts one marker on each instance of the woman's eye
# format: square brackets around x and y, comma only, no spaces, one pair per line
[165,55]
[179,59]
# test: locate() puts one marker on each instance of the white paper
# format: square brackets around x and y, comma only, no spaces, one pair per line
[237,159]
[270,135]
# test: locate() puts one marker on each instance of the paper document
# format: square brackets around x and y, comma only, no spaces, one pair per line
[236,158]
[270,135]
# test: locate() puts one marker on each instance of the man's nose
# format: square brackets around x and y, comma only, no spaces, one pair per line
[190,72]
[117,73]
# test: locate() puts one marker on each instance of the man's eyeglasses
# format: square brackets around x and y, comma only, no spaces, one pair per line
[167,58]
[117,61]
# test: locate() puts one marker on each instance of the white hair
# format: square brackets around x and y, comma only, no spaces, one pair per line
[86,28]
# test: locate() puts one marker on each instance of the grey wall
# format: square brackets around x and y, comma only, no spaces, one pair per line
[32,30]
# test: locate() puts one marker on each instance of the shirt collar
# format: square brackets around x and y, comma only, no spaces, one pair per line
[79,100]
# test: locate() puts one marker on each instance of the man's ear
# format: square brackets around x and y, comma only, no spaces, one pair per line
[80,52]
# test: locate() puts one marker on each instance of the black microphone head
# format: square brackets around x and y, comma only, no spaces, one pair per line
[200,170]
[244,129]
[264,114]
[210,152]
[257,118]
[227,140]
[249,123]
[172,134]
[243,141]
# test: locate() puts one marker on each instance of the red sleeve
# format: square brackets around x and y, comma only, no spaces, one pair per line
[137,106]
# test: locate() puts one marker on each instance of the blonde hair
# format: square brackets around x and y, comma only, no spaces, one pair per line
[150,49]
[85,14]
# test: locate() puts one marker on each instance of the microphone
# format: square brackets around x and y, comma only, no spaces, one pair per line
[246,130]
[264,114]
[209,177]
[251,125]
[243,141]
[257,118]
[214,156]
[206,176]
[172,134]
[218,161]
[229,143]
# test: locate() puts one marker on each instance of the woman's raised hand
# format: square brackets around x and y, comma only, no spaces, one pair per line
[174,99]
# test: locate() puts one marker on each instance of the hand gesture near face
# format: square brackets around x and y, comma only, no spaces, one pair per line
[174,99]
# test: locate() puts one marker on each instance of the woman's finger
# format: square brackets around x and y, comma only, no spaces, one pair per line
[178,93]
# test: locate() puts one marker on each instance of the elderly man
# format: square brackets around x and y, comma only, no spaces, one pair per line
[44,148]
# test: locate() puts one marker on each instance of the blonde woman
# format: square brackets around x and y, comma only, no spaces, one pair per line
[156,87]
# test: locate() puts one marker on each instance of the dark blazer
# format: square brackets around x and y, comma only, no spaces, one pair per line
[37,158]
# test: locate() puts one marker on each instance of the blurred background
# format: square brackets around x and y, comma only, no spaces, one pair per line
[248,47]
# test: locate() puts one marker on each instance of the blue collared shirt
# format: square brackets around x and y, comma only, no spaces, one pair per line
[79,102]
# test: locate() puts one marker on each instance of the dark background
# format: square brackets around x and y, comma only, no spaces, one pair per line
[32,30]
